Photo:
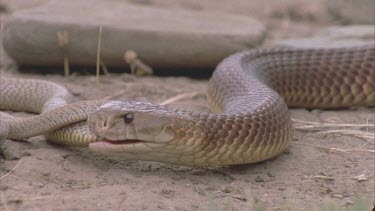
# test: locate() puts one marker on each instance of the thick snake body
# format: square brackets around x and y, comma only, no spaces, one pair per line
[249,91]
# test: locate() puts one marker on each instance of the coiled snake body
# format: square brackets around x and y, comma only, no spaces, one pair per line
[249,91]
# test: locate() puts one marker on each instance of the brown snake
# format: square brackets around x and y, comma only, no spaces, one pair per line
[249,91]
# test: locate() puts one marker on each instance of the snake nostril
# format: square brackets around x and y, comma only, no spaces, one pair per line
[105,123]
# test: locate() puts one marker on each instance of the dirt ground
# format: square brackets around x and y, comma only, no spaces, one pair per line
[317,170]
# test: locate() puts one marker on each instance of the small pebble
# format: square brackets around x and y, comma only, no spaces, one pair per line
[270,175]
[259,179]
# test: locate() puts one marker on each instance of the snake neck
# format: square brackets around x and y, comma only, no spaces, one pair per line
[204,139]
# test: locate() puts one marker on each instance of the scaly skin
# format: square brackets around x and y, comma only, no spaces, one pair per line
[250,92]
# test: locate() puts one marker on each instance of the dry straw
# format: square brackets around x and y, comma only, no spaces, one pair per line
[63,39]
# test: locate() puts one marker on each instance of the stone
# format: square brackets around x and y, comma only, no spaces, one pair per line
[161,38]
[337,36]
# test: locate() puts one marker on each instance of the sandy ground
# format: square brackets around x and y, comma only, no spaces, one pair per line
[313,172]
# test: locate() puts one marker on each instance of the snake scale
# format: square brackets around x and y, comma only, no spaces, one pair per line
[250,93]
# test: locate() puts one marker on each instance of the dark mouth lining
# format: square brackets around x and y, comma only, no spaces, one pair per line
[127,141]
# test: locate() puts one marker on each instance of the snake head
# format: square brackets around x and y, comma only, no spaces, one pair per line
[134,126]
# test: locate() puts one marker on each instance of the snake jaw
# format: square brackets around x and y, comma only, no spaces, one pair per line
[124,148]
[112,147]
[126,141]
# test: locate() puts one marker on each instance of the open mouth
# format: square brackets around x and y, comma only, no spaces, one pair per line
[122,148]
[127,141]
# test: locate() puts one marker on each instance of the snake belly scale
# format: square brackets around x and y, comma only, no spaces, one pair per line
[250,93]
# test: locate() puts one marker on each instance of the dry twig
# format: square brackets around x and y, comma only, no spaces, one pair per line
[14,168]
[63,39]
[180,97]
[337,149]
[361,131]
[98,54]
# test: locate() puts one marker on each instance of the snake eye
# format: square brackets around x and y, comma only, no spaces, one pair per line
[128,118]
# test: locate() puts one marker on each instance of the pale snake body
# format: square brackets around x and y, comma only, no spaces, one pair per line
[249,90]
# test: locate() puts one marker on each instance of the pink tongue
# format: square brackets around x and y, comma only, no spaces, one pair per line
[128,141]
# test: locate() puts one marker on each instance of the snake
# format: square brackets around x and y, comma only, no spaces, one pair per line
[249,94]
